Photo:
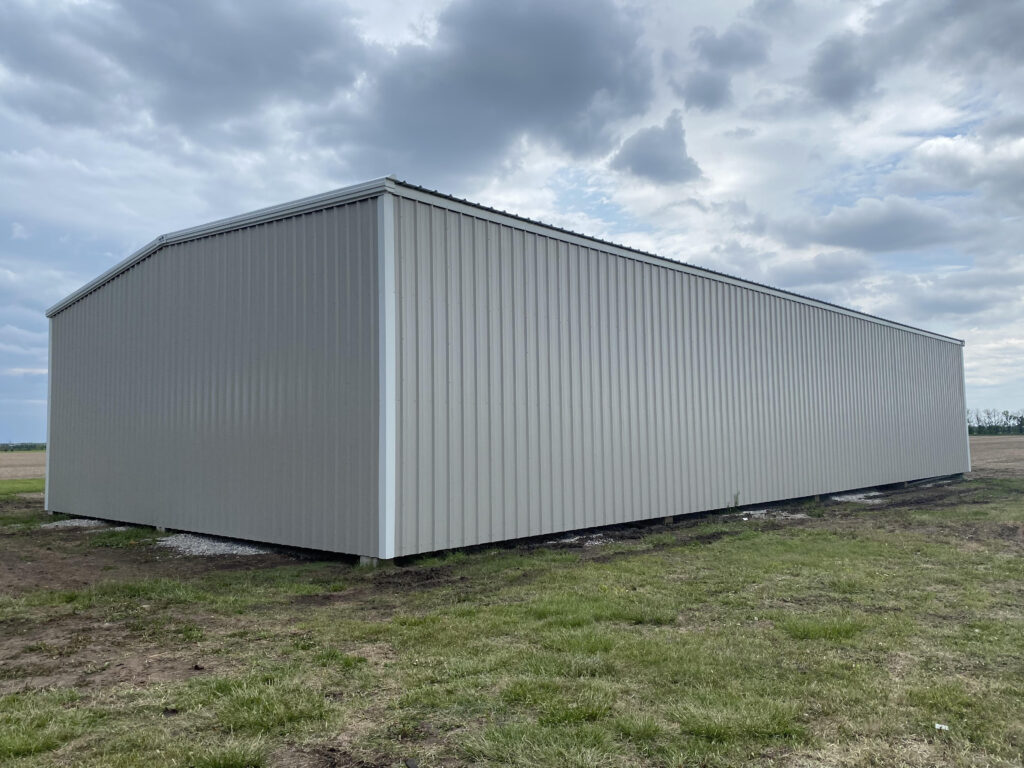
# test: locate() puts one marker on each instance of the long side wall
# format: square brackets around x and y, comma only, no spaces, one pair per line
[229,385]
[544,386]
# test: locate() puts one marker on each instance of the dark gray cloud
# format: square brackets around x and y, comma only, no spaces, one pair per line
[841,74]
[708,87]
[1004,126]
[739,47]
[977,35]
[771,11]
[889,224]
[947,35]
[561,72]
[740,132]
[705,90]
[658,153]
[186,64]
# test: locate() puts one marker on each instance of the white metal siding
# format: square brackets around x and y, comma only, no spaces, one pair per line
[546,386]
[228,385]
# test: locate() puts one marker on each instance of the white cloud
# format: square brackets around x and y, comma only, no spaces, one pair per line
[994,358]
[954,164]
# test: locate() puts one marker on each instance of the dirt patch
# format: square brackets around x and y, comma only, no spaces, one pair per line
[942,493]
[710,538]
[327,757]
[19,465]
[900,505]
[930,498]
[84,652]
[62,558]
[411,577]
[997,456]
[414,740]
[975,536]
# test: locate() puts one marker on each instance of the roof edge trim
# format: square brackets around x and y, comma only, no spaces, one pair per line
[390,183]
[263,215]
[430,196]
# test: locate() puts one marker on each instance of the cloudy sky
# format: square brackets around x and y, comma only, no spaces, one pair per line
[867,153]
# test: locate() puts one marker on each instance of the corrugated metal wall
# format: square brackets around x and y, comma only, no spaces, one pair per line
[229,385]
[544,386]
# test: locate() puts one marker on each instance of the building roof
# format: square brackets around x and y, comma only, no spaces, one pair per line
[391,184]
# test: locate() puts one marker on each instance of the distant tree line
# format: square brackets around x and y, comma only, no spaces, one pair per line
[22,447]
[993,422]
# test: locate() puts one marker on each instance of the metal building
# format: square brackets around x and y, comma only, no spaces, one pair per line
[384,370]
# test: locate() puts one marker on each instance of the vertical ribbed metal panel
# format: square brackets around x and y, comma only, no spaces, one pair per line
[547,386]
[228,385]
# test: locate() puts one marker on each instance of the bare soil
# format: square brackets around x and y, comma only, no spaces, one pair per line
[78,651]
[62,559]
[997,456]
[22,464]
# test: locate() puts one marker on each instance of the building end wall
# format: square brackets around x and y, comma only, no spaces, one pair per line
[229,385]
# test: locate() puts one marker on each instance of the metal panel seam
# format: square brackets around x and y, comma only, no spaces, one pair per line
[387,351]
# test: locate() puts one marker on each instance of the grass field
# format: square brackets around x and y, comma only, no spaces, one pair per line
[831,634]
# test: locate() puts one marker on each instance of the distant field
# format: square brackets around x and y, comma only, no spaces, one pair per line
[997,456]
[22,464]
[832,634]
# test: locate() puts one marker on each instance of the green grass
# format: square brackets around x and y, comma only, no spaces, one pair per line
[41,722]
[841,639]
[133,537]
[234,754]
[253,704]
[9,489]
[821,627]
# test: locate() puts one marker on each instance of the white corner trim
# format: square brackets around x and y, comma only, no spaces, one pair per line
[49,414]
[967,427]
[387,350]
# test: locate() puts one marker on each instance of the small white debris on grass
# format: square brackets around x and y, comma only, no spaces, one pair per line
[194,544]
[770,514]
[869,497]
[595,540]
[115,528]
[75,522]
[941,727]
